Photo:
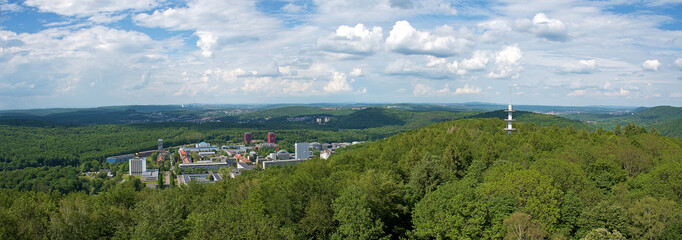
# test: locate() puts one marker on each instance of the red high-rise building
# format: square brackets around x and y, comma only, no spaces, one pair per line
[271,137]
[247,138]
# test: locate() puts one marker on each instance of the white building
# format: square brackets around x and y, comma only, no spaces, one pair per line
[202,145]
[302,150]
[325,154]
[137,166]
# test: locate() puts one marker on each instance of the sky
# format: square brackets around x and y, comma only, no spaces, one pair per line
[87,53]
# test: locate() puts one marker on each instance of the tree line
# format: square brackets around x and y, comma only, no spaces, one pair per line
[457,179]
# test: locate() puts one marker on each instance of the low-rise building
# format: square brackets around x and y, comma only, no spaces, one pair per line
[206,154]
[271,163]
[204,165]
[120,158]
[151,175]
[238,171]
[185,179]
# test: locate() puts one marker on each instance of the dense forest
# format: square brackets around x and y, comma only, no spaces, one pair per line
[463,179]
[666,119]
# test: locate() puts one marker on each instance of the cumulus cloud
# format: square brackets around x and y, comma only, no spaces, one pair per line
[544,27]
[57,62]
[678,63]
[581,67]
[651,65]
[577,92]
[467,90]
[421,89]
[228,22]
[88,7]
[338,84]
[440,68]
[357,40]
[493,31]
[356,72]
[436,68]
[507,62]
[478,61]
[621,92]
[9,7]
[206,42]
[405,39]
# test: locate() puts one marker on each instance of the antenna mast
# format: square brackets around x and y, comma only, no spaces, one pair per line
[509,111]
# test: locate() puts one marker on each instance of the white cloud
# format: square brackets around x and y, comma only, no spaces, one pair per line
[356,40]
[206,42]
[651,65]
[89,7]
[676,94]
[577,92]
[678,63]
[478,61]
[493,31]
[228,22]
[467,90]
[356,72]
[621,92]
[61,62]
[582,67]
[544,27]
[405,39]
[9,7]
[421,89]
[436,68]
[448,9]
[507,62]
[338,84]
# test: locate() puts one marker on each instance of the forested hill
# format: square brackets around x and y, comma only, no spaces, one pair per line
[536,118]
[455,179]
[665,119]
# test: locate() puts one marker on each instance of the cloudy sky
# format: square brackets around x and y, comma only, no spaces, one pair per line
[83,53]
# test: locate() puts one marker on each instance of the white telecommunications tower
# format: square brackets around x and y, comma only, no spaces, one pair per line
[509,115]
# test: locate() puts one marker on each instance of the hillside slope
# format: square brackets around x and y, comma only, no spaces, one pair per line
[666,119]
[463,179]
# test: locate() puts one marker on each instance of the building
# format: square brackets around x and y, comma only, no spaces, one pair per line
[316,145]
[160,147]
[283,155]
[271,137]
[266,145]
[247,138]
[202,145]
[204,165]
[302,150]
[267,164]
[201,149]
[325,154]
[120,159]
[244,166]
[185,179]
[162,156]
[150,176]
[206,154]
[144,154]
[136,166]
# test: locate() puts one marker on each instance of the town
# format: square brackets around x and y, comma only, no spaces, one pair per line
[205,163]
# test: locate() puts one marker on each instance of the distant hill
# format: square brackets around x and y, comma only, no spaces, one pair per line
[295,111]
[536,118]
[666,119]
[374,117]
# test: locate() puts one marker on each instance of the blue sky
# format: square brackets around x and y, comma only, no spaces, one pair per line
[81,53]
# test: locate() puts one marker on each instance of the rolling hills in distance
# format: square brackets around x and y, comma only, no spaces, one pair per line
[357,116]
